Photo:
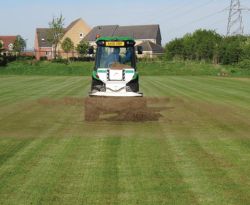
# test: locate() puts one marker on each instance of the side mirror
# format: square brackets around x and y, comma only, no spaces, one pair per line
[91,50]
[139,50]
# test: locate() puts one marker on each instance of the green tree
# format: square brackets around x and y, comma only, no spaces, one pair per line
[56,32]
[19,44]
[82,48]
[174,49]
[246,50]
[201,45]
[188,47]
[205,42]
[67,46]
[231,49]
[3,60]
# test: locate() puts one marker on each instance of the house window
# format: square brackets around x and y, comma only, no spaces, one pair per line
[81,35]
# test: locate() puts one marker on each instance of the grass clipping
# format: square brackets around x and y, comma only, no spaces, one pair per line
[124,109]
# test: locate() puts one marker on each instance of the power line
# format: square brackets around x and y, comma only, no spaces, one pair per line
[178,9]
[199,19]
[195,8]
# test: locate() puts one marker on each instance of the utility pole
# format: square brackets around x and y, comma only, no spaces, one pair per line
[235,22]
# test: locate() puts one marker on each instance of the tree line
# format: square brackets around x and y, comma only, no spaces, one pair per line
[210,46]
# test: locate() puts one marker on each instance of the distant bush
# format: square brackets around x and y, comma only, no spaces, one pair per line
[245,64]
[60,60]
[43,58]
[3,61]
[25,58]
[9,58]
[87,59]
[230,50]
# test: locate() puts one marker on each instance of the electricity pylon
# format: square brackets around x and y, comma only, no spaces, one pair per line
[235,22]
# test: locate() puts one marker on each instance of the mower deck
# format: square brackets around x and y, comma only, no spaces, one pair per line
[115,94]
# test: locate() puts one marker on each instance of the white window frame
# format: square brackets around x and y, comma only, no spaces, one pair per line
[81,35]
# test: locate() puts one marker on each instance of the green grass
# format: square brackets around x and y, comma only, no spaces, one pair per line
[198,153]
[45,68]
[146,68]
[189,68]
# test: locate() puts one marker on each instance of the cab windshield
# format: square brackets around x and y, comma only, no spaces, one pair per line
[108,57]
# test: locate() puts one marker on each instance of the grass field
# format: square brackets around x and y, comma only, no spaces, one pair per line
[146,68]
[197,153]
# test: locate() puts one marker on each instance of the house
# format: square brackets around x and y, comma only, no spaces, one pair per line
[148,36]
[150,49]
[76,31]
[8,43]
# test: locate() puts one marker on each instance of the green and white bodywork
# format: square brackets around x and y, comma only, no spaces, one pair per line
[115,72]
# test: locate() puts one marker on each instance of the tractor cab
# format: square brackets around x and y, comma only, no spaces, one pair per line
[115,72]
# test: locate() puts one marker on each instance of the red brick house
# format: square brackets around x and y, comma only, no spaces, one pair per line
[8,42]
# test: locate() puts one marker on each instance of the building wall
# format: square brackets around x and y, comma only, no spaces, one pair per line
[37,54]
[74,34]
[146,54]
[44,52]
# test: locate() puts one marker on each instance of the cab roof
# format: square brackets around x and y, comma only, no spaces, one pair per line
[115,38]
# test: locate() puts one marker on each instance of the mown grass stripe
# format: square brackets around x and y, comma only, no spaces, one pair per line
[109,172]
[230,162]
[78,183]
[63,87]
[38,179]
[49,179]
[20,92]
[222,86]
[224,190]
[11,149]
[191,92]
[191,174]
[233,145]
[26,157]
[168,89]
[148,172]
[16,168]
[223,91]
[45,86]
[150,85]
[200,91]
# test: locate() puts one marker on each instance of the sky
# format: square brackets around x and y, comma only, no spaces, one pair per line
[175,17]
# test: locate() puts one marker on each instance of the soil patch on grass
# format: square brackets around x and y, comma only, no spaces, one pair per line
[114,109]
[125,109]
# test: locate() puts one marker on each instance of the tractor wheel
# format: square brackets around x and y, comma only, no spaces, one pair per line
[133,86]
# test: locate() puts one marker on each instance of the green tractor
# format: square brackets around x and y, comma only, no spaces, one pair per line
[115,73]
[115,92]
